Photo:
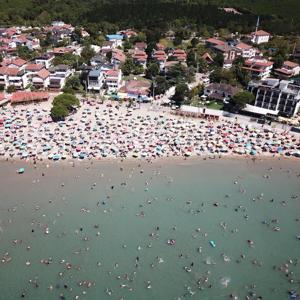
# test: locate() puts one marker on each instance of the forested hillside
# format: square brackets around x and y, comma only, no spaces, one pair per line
[278,16]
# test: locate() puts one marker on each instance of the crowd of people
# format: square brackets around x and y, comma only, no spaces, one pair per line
[110,130]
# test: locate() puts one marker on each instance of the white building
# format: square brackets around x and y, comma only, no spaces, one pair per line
[247,51]
[95,80]
[16,77]
[275,95]
[58,76]
[260,36]
[288,70]
[113,80]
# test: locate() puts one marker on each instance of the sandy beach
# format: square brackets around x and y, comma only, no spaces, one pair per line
[109,131]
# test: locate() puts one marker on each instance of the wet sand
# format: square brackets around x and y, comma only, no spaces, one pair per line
[106,229]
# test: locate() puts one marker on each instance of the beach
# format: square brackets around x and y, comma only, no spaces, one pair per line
[111,130]
[169,229]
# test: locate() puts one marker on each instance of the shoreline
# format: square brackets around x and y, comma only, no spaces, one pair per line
[160,160]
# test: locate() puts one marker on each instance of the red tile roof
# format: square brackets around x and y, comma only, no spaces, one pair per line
[22,96]
[2,96]
[34,67]
[19,62]
[290,64]
[215,41]
[112,73]
[10,71]
[43,74]
[243,46]
[261,33]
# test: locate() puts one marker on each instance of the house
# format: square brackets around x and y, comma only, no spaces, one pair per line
[32,69]
[95,80]
[207,57]
[276,96]
[246,50]
[141,46]
[113,80]
[137,88]
[288,70]
[58,76]
[179,55]
[98,60]
[260,36]
[259,68]
[212,42]
[62,50]
[107,46]
[45,60]
[41,79]
[140,57]
[14,63]
[118,57]
[27,97]
[127,33]
[10,76]
[161,57]
[221,91]
[117,39]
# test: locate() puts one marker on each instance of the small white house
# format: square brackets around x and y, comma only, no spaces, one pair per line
[95,80]
[260,36]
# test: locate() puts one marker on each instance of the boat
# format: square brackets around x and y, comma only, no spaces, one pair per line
[213,244]
[21,170]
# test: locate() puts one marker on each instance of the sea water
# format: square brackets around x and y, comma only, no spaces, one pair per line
[103,229]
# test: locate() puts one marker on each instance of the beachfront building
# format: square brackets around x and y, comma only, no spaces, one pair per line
[259,68]
[58,76]
[221,91]
[41,80]
[15,77]
[113,80]
[277,96]
[260,37]
[95,80]
[288,70]
[22,97]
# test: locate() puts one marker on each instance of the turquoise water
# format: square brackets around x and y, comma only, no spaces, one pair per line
[109,226]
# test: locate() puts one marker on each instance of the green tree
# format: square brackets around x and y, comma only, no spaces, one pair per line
[11,89]
[191,58]
[58,113]
[161,85]
[24,53]
[219,60]
[278,60]
[241,99]
[73,84]
[181,92]
[62,105]
[128,66]
[87,53]
[152,70]
[68,59]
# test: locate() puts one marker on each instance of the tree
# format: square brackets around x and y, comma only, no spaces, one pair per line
[62,105]
[181,92]
[58,113]
[202,65]
[87,53]
[72,84]
[242,98]
[191,58]
[128,66]
[11,89]
[109,56]
[219,60]
[24,53]
[278,60]
[152,70]
[161,85]
[68,59]
[194,42]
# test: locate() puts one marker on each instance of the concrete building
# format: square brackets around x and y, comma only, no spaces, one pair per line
[277,96]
